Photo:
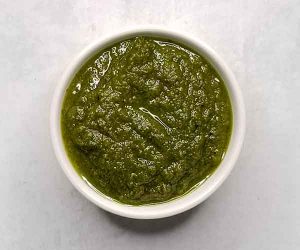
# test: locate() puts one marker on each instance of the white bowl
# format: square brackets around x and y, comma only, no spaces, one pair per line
[187,201]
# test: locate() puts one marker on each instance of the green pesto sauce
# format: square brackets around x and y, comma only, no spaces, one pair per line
[145,120]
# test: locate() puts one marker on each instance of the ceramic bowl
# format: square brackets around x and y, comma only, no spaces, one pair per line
[192,198]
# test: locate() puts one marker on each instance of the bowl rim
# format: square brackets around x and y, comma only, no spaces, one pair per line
[197,195]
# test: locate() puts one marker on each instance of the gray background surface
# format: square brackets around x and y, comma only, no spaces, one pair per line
[258,207]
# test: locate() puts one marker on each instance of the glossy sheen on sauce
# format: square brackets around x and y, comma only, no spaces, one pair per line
[145,120]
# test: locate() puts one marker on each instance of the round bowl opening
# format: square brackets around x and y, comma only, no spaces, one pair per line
[197,195]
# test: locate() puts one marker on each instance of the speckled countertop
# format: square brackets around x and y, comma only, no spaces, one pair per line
[256,208]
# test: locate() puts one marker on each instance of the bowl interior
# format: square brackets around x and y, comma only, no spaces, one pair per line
[198,194]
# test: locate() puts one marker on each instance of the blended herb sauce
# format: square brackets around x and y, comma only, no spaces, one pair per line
[146,120]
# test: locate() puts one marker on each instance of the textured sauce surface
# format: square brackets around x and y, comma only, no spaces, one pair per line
[145,120]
